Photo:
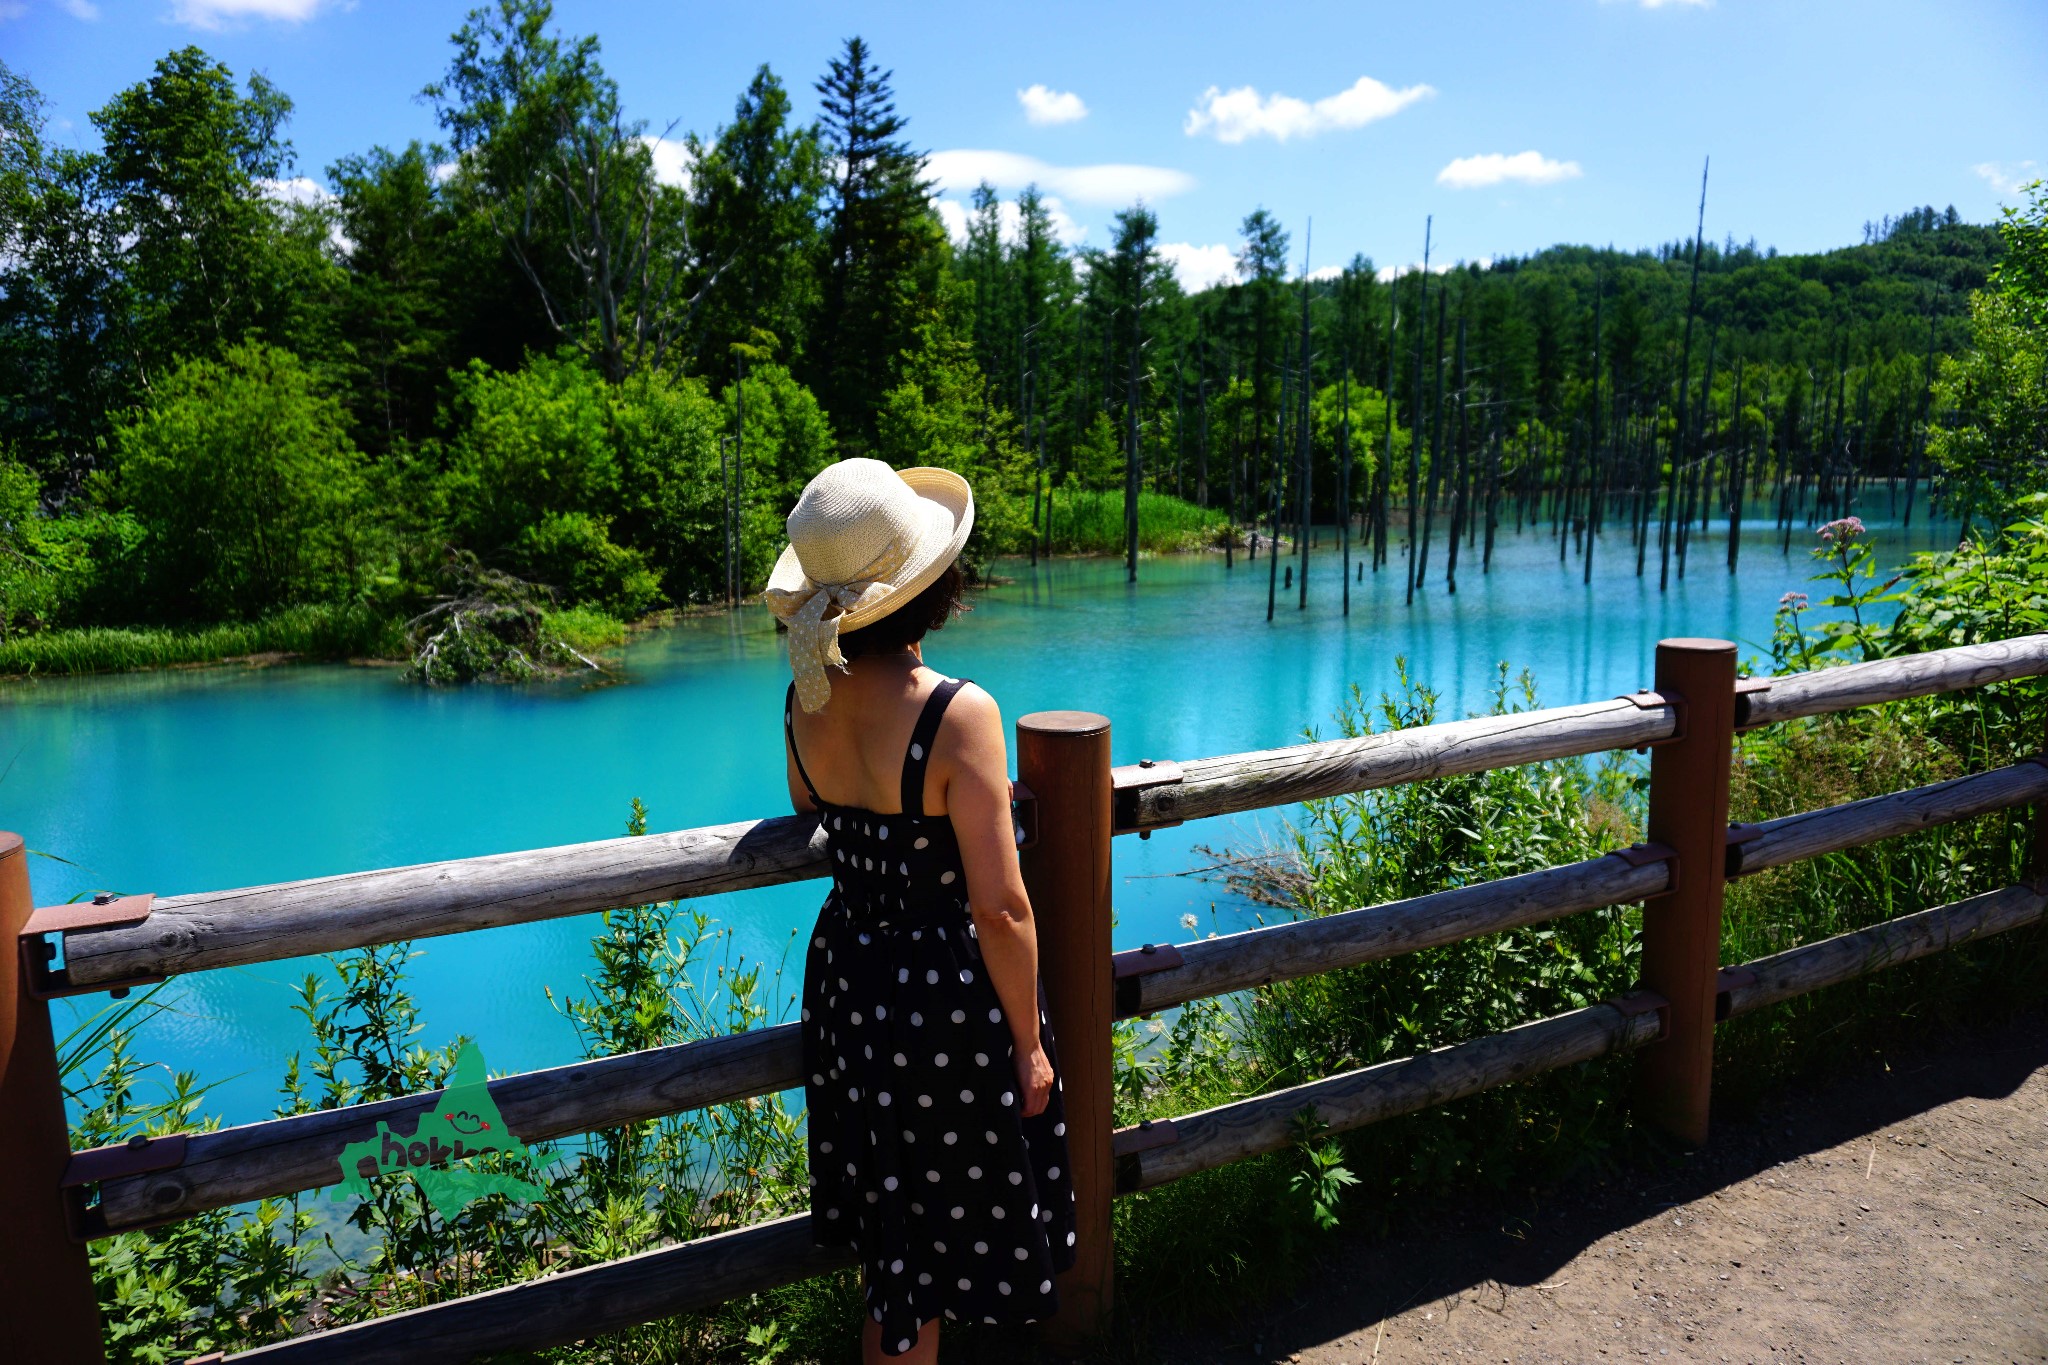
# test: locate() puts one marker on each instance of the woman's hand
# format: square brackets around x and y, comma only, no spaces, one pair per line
[1034,1079]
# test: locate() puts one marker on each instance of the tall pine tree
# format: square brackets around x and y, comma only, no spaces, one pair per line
[884,247]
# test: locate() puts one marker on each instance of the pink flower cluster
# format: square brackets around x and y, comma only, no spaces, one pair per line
[1846,529]
[1792,601]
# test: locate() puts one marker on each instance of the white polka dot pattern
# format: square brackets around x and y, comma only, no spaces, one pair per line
[892,1006]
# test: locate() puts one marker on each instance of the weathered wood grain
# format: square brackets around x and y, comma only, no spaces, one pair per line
[1845,957]
[1276,777]
[1231,1132]
[1282,952]
[1883,680]
[574,1305]
[284,1156]
[356,909]
[1794,838]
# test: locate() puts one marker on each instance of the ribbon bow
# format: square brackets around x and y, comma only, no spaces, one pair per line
[813,612]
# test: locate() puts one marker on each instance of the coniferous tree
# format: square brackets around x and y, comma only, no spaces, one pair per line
[884,247]
[754,190]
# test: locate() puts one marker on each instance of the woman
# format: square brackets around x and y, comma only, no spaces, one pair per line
[937,1137]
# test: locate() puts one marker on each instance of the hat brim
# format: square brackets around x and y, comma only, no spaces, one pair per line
[947,503]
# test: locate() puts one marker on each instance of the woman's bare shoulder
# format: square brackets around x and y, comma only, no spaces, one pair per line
[974,712]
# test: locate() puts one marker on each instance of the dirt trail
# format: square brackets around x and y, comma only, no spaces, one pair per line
[1898,1216]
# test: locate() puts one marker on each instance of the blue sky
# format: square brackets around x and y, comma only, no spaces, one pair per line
[1517,125]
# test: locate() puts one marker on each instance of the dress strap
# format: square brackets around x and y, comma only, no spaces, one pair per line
[789,735]
[920,755]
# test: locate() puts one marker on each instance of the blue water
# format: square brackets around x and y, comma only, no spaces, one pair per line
[208,779]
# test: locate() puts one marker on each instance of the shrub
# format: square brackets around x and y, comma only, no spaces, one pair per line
[532,442]
[242,476]
[572,553]
[671,504]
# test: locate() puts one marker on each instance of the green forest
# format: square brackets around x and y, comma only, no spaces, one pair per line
[517,380]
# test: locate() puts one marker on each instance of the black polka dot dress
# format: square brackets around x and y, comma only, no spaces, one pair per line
[921,1160]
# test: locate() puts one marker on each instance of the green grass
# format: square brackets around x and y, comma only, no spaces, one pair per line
[315,631]
[585,629]
[1092,523]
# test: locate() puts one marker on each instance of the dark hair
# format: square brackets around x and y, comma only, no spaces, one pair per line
[935,605]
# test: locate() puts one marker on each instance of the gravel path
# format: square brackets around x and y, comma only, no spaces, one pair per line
[1899,1216]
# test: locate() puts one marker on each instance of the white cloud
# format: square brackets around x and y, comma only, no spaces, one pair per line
[1043,104]
[81,9]
[300,190]
[1668,4]
[2007,177]
[1328,272]
[1236,115]
[220,14]
[1009,222]
[958,171]
[1387,273]
[1493,168]
[671,161]
[1200,267]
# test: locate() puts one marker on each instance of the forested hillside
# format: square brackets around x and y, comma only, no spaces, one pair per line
[520,356]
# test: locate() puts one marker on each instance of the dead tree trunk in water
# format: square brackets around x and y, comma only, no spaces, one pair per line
[1684,381]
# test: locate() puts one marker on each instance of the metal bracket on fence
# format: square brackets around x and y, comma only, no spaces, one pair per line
[1643,1002]
[139,1155]
[1642,853]
[1745,689]
[1125,968]
[1726,982]
[1647,700]
[104,911]
[1127,782]
[1738,835]
[1024,814]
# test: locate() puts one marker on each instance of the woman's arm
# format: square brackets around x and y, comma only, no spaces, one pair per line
[978,802]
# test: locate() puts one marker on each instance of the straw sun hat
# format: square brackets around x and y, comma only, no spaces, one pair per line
[863,540]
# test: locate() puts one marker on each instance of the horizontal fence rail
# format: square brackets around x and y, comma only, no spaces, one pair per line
[1794,838]
[1306,947]
[1236,783]
[573,1305]
[358,909]
[354,910]
[286,1155]
[582,1303]
[1832,961]
[1265,1123]
[1849,686]
[108,948]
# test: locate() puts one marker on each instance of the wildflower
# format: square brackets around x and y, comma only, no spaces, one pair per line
[1847,528]
[1155,1027]
[1188,921]
[1792,601]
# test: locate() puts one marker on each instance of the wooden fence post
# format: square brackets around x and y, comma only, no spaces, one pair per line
[1682,927]
[1063,758]
[51,1313]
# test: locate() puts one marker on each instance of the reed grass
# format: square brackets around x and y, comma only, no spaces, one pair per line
[312,631]
[1090,522]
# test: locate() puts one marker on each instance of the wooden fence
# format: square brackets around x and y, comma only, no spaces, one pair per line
[1071,803]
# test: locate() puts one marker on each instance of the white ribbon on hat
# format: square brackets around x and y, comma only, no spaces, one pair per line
[813,613]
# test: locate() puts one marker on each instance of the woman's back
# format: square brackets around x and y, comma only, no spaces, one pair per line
[854,750]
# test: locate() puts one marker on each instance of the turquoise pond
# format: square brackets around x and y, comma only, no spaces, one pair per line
[215,778]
